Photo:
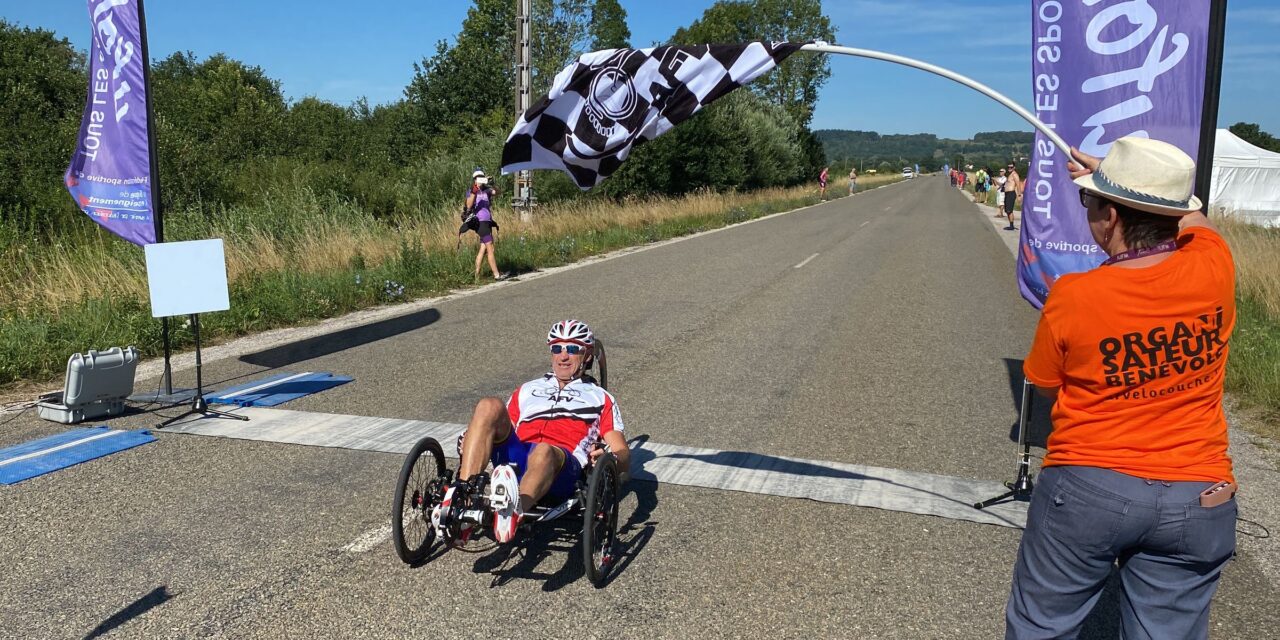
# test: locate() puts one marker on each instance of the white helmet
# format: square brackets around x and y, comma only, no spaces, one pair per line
[574,331]
[477,174]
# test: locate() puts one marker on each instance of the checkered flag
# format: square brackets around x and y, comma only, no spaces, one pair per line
[608,101]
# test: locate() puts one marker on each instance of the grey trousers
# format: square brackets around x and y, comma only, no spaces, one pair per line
[1083,520]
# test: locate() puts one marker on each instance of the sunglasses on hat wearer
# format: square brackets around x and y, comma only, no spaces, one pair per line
[572,349]
[1091,200]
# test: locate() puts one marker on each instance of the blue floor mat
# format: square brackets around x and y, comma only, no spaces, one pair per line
[38,457]
[277,389]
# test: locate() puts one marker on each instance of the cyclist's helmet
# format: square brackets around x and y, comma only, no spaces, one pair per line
[574,331]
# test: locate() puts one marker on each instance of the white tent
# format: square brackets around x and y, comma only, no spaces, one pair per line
[1246,181]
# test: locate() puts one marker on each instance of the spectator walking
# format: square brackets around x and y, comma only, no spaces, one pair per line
[822,182]
[479,203]
[1134,354]
[853,181]
[1012,189]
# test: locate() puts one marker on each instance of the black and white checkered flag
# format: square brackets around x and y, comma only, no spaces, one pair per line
[608,101]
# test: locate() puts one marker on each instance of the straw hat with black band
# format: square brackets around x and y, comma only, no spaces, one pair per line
[1147,175]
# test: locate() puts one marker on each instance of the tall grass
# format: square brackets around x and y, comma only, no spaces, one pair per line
[1253,370]
[307,256]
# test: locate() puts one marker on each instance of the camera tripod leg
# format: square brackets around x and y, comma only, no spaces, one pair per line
[1022,486]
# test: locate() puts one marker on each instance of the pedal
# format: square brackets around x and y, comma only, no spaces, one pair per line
[499,499]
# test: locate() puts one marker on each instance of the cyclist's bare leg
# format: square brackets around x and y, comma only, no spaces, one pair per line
[545,461]
[489,425]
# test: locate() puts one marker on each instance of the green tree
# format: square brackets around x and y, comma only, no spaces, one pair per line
[454,93]
[609,26]
[562,32]
[740,141]
[212,118]
[1253,134]
[453,89]
[795,83]
[42,94]
[321,131]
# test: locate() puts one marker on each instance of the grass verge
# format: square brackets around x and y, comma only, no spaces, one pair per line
[1253,368]
[309,258]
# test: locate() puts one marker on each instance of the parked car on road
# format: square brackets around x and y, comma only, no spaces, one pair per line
[908,173]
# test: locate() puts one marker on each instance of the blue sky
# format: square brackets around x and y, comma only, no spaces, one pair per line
[339,51]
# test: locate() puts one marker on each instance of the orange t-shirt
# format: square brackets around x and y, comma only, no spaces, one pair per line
[1140,356]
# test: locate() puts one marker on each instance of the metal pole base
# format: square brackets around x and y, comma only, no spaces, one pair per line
[1022,485]
[1019,490]
[199,406]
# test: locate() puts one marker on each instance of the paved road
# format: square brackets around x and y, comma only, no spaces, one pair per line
[896,345]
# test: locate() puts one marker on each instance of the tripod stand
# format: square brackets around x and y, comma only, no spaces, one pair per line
[1022,485]
[198,404]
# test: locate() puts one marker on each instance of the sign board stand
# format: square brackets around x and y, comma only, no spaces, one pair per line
[198,405]
[187,279]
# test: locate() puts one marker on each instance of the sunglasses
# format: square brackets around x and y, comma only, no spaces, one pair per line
[572,349]
[1089,200]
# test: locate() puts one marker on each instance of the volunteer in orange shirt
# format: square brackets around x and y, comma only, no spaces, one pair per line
[1134,354]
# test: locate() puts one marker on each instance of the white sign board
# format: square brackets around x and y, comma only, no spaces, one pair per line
[187,277]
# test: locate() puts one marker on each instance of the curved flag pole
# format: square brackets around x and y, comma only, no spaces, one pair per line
[822,47]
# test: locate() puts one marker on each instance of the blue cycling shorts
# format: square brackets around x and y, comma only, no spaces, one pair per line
[515,452]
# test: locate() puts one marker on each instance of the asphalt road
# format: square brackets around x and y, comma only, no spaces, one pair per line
[882,329]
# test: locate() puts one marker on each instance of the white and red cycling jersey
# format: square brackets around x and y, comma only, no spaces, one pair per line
[573,417]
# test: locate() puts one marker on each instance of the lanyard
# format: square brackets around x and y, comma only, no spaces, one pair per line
[1167,246]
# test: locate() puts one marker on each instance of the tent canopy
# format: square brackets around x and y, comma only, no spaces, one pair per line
[1246,180]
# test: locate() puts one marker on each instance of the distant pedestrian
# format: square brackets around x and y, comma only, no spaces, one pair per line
[1012,189]
[853,181]
[980,186]
[1000,182]
[822,182]
[479,204]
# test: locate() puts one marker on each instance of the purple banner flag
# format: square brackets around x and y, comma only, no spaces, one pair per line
[1102,71]
[110,172]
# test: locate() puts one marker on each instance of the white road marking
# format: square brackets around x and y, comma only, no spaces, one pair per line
[65,445]
[369,539]
[806,261]
[824,481]
[864,224]
[267,384]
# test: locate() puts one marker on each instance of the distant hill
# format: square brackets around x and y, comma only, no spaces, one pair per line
[870,149]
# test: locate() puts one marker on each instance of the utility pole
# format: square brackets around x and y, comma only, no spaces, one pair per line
[523,199]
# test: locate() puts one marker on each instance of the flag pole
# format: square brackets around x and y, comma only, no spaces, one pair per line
[1209,108]
[823,47]
[157,209]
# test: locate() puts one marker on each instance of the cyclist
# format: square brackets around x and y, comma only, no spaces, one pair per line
[548,431]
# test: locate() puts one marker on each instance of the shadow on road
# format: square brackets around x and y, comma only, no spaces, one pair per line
[1040,422]
[1104,620]
[324,345]
[151,600]
[747,460]
[564,537]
